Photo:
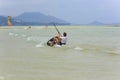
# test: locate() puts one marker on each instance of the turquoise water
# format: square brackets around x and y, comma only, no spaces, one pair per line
[91,53]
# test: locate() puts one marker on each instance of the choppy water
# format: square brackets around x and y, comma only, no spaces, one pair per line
[91,53]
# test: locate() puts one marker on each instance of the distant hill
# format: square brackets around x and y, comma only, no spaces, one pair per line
[37,18]
[3,20]
[33,18]
[96,23]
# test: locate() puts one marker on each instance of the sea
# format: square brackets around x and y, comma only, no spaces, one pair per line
[91,53]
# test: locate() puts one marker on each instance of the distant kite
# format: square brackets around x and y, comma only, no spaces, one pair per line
[9,21]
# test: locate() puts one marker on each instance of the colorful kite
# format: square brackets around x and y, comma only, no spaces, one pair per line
[9,21]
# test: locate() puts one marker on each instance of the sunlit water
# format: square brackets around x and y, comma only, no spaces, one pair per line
[91,53]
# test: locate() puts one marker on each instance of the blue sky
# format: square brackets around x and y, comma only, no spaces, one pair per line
[74,11]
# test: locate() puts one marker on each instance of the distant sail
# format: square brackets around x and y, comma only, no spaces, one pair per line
[9,21]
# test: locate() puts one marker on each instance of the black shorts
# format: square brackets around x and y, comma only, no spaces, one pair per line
[50,42]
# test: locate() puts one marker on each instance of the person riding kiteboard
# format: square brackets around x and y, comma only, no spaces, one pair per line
[58,40]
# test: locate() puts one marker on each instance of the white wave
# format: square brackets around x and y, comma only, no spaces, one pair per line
[34,38]
[117,51]
[23,35]
[28,38]
[11,34]
[78,48]
[26,28]
[31,39]
[15,34]
[39,45]
[57,45]
[2,78]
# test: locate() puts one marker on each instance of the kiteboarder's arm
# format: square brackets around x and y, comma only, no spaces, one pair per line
[59,35]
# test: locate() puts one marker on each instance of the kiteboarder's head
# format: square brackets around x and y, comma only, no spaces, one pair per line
[65,34]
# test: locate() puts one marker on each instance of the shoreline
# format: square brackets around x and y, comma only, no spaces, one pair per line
[40,27]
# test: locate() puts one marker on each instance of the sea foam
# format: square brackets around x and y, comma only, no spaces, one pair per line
[39,45]
[78,48]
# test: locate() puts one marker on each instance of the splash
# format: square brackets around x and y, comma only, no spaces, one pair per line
[78,48]
[39,45]
[11,34]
